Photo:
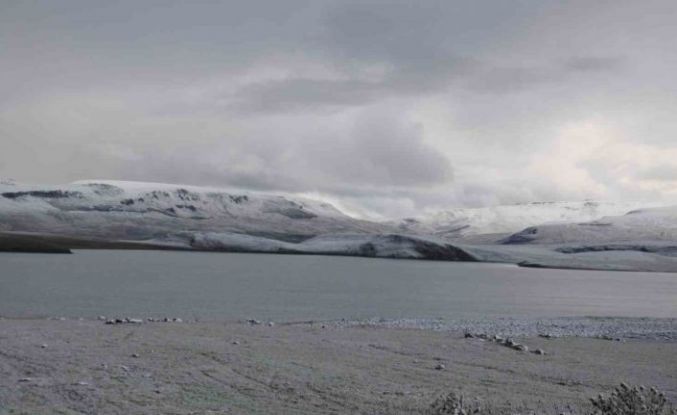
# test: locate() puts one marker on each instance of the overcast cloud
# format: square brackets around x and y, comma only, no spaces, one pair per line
[384,107]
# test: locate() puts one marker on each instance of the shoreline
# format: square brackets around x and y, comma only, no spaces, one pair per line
[370,367]
[616,328]
[451,251]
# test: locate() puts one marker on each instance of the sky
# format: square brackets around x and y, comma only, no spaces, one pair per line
[386,108]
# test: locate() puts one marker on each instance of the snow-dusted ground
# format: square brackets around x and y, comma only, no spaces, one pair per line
[598,327]
[318,368]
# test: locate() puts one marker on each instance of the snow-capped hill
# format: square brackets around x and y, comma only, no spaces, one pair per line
[365,245]
[188,217]
[131,210]
[643,225]
[132,215]
[459,222]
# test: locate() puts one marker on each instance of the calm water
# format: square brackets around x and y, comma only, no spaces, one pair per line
[281,287]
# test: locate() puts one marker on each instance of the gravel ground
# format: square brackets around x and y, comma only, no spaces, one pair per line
[377,367]
[664,329]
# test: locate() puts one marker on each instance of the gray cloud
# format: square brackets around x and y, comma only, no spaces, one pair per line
[305,95]
[594,63]
[376,151]
[370,102]
[661,173]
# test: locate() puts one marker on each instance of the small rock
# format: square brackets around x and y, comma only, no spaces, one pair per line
[81,383]
[468,335]
[101,318]
[177,320]
[521,347]
[111,321]
[271,324]
[498,339]
[235,342]
[118,321]
[509,343]
[43,346]
[545,335]
[136,355]
[23,380]
[539,351]
[125,368]
[133,320]
[440,367]
[254,322]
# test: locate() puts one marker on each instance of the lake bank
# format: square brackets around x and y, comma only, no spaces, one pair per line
[87,366]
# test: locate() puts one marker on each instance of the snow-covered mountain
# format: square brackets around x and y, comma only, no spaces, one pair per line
[112,214]
[145,215]
[641,240]
[142,211]
[460,222]
[137,211]
[648,225]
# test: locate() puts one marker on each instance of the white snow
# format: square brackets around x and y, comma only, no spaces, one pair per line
[459,222]
[382,246]
[655,224]
[130,210]
[645,240]
[561,234]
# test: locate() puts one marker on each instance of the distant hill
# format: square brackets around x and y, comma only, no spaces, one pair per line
[140,211]
[134,215]
[461,222]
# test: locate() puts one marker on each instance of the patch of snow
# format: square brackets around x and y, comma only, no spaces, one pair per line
[380,246]
[461,222]
[137,211]
[656,224]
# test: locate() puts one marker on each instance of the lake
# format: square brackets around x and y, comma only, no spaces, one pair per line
[227,286]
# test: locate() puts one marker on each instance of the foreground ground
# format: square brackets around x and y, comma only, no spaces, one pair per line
[87,367]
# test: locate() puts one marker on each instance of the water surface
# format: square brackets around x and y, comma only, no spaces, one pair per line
[284,287]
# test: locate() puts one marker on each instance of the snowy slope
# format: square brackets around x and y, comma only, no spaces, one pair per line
[647,225]
[205,219]
[139,211]
[562,234]
[641,240]
[460,222]
[365,245]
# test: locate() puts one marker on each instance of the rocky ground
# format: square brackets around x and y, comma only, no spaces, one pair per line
[88,367]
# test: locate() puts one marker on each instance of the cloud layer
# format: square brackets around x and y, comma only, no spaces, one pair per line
[387,107]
